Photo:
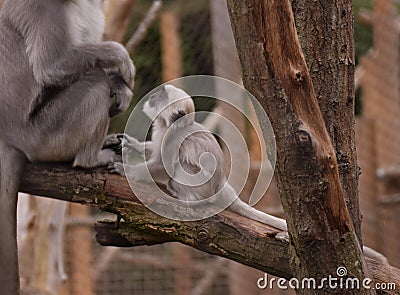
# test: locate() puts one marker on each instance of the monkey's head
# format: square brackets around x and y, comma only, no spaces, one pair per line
[170,104]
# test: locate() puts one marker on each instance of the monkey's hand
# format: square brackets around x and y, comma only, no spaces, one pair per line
[113,55]
[114,142]
[123,142]
[121,93]
[116,168]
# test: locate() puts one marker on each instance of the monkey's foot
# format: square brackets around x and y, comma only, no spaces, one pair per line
[116,168]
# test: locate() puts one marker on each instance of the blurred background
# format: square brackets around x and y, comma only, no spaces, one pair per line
[174,38]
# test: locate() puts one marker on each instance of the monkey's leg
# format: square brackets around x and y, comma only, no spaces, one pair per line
[92,154]
[73,124]
[138,146]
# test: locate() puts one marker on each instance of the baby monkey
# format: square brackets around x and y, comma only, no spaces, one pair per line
[183,155]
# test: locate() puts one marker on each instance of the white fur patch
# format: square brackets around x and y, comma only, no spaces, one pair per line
[174,93]
[85,20]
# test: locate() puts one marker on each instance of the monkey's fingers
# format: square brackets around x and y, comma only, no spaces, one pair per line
[116,168]
[128,72]
[114,142]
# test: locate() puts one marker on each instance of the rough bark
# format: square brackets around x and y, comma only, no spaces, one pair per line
[275,71]
[325,30]
[227,234]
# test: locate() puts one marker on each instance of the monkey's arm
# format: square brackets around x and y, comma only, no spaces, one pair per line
[139,146]
[77,60]
[122,140]
[51,53]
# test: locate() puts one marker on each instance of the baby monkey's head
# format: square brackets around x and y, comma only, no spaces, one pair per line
[169,105]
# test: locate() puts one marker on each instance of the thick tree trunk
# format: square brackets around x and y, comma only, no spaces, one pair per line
[275,71]
[325,29]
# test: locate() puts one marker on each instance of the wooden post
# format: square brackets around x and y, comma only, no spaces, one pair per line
[381,105]
[227,65]
[80,253]
[365,140]
[171,47]
[117,18]
[171,69]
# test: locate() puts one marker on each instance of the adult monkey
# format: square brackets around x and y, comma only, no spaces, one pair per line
[54,98]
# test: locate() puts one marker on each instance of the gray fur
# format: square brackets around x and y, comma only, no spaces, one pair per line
[54,98]
[165,135]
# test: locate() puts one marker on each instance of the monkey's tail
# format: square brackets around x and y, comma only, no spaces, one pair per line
[246,210]
[12,163]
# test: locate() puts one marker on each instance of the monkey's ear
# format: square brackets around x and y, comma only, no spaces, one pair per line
[173,93]
[164,92]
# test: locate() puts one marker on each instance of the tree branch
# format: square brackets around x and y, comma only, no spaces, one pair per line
[276,73]
[227,234]
[144,25]
[327,38]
